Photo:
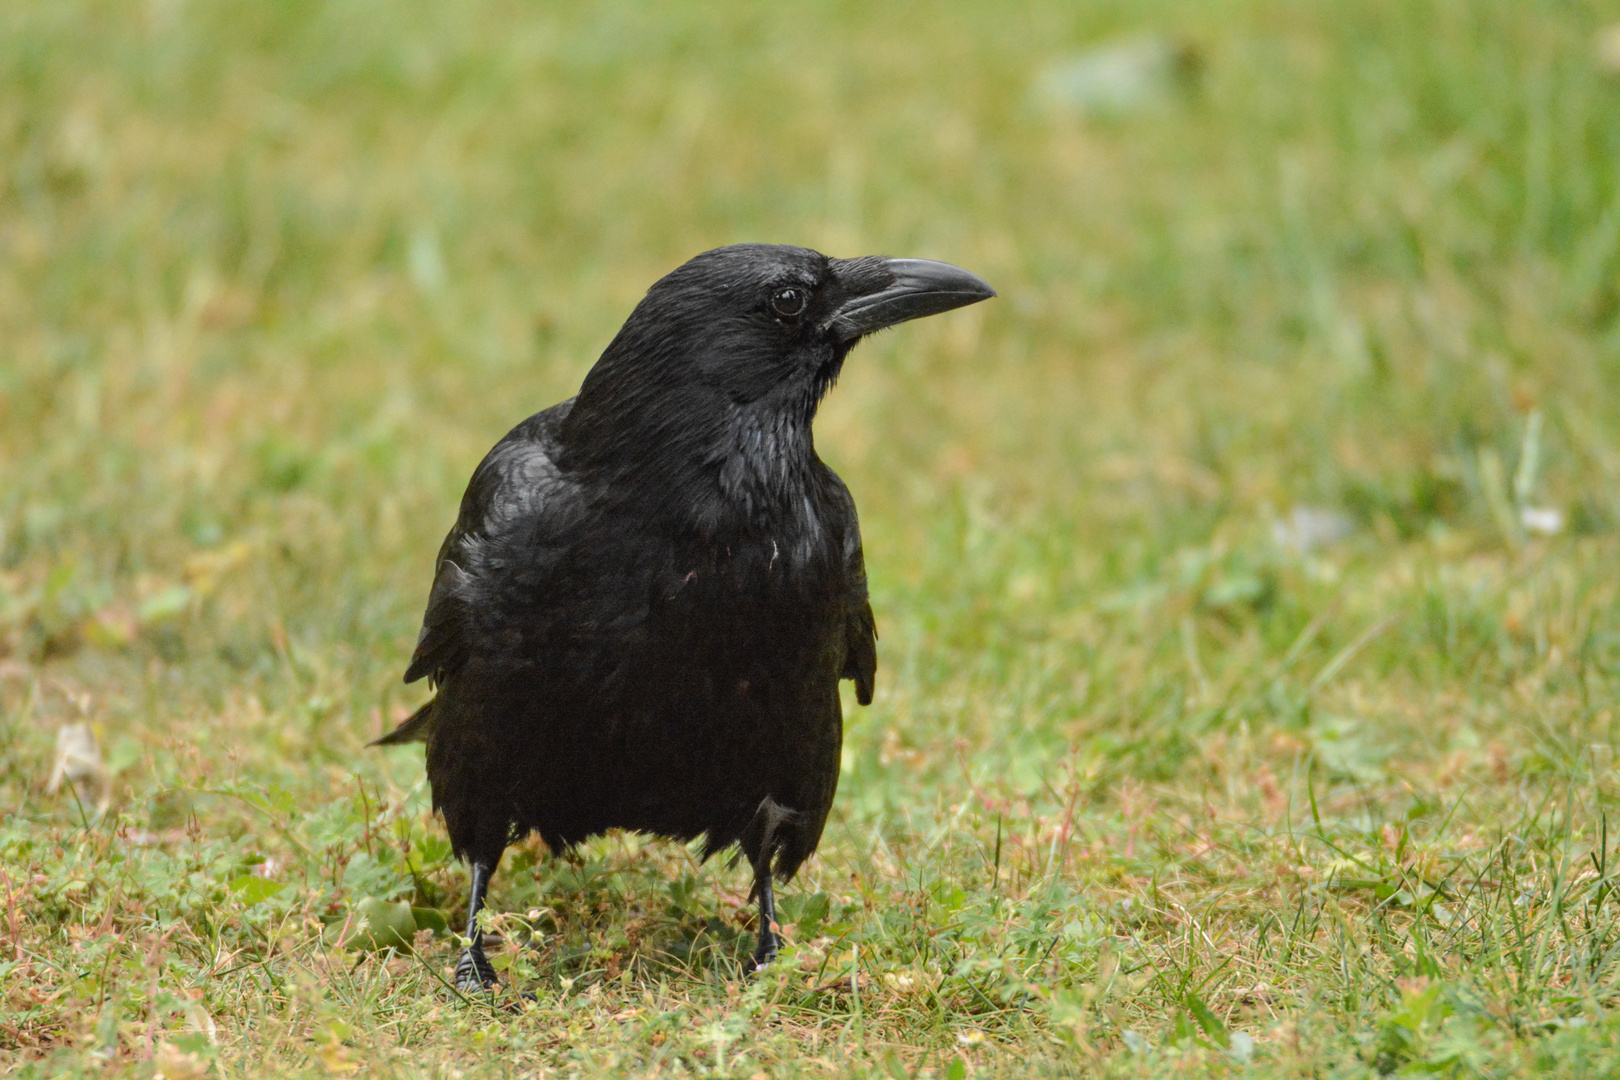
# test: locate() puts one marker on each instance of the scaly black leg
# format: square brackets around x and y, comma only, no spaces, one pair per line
[765,951]
[473,970]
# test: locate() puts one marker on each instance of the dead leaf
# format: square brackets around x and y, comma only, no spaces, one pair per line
[78,761]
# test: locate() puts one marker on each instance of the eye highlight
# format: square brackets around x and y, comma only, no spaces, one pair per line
[788,301]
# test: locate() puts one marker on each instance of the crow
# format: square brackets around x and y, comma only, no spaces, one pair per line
[652,589]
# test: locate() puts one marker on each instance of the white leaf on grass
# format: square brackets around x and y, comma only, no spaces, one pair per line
[1120,77]
[1544,520]
[1307,528]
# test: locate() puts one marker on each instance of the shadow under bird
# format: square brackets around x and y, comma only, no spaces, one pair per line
[652,590]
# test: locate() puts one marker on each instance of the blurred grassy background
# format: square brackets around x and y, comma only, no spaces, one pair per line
[273,277]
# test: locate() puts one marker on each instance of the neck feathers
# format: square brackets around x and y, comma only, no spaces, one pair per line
[765,458]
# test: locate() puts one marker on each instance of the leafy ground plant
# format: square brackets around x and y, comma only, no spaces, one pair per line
[1245,575]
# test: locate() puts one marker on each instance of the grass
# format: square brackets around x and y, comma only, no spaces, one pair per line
[1151,787]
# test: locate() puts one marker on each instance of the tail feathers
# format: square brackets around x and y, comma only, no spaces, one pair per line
[414,729]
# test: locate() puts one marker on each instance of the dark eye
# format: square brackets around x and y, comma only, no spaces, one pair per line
[788,301]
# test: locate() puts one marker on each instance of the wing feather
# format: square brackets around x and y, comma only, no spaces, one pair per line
[860,628]
[512,496]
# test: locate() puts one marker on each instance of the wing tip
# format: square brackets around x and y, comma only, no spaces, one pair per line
[415,728]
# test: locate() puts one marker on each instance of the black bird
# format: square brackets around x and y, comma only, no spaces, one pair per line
[641,616]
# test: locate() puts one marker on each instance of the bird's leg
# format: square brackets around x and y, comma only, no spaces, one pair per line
[473,970]
[765,951]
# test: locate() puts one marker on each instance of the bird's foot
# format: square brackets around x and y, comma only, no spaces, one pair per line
[764,953]
[473,971]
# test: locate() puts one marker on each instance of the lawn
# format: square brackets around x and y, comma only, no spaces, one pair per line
[1247,574]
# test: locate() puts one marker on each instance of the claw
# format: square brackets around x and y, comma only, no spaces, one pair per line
[765,952]
[474,973]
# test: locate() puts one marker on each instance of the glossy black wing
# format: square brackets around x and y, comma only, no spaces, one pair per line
[860,628]
[512,494]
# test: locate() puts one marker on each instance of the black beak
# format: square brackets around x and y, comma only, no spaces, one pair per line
[916,287]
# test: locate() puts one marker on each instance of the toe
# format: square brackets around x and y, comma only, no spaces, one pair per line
[473,971]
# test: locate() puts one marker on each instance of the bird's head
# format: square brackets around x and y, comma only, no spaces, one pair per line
[741,343]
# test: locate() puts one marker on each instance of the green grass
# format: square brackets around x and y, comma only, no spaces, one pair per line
[1144,792]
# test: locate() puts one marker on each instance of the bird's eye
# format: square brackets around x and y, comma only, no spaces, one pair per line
[788,302]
